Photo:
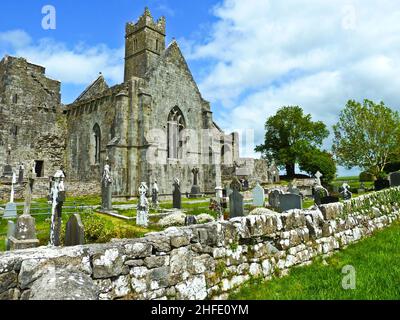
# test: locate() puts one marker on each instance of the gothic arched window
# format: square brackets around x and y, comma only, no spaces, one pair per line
[176,124]
[97,143]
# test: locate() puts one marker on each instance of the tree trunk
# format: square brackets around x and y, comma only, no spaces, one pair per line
[290,170]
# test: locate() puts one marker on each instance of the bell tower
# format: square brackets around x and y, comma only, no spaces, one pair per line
[144,43]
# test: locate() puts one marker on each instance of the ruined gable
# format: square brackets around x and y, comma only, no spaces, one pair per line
[96,88]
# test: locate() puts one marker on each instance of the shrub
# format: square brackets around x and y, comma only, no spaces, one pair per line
[366,177]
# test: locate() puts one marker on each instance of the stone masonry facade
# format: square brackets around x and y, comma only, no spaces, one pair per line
[153,126]
[197,262]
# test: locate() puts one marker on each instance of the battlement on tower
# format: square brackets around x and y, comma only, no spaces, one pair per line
[146,20]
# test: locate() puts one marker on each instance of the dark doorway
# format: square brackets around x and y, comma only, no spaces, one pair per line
[39,168]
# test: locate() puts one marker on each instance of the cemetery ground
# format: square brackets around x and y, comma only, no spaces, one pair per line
[101,228]
[375,260]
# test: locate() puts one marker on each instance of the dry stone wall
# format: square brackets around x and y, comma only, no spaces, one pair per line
[196,262]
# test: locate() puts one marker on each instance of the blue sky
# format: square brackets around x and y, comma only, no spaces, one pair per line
[249,57]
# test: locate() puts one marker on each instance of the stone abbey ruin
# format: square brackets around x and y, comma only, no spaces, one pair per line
[155,126]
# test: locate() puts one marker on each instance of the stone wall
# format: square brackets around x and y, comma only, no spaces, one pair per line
[196,262]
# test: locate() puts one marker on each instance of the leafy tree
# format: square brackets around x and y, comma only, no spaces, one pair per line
[316,160]
[289,135]
[367,136]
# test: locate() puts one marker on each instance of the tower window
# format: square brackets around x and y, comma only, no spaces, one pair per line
[135,46]
[156,44]
[15,98]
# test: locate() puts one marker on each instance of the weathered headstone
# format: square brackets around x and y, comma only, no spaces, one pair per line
[75,232]
[219,193]
[11,208]
[290,201]
[10,212]
[381,184]
[177,196]
[394,179]
[142,215]
[10,233]
[318,177]
[274,198]
[346,194]
[319,193]
[195,191]
[258,196]
[329,199]
[8,171]
[154,196]
[106,188]
[21,170]
[57,199]
[25,231]
[236,206]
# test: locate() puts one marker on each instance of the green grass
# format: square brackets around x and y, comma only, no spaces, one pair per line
[101,226]
[375,259]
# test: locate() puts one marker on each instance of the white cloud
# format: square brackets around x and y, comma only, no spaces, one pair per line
[78,65]
[317,54]
[15,39]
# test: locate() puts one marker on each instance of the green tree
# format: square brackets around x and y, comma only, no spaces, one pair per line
[289,135]
[367,136]
[316,160]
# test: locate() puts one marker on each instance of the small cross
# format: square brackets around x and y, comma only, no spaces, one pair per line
[319,175]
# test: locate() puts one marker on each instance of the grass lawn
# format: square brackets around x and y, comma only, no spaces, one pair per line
[376,262]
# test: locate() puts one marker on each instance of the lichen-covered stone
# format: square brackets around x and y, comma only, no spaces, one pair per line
[138,250]
[110,264]
[64,285]
[192,289]
[8,281]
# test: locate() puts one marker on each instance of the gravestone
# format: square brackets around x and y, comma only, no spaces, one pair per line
[177,196]
[57,199]
[106,188]
[290,201]
[7,170]
[329,199]
[346,194]
[142,215]
[11,208]
[195,191]
[10,212]
[274,198]
[293,189]
[75,232]
[25,230]
[318,177]
[219,193]
[236,206]
[21,169]
[394,179]
[258,196]
[154,196]
[190,220]
[381,184]
[10,233]
[319,193]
